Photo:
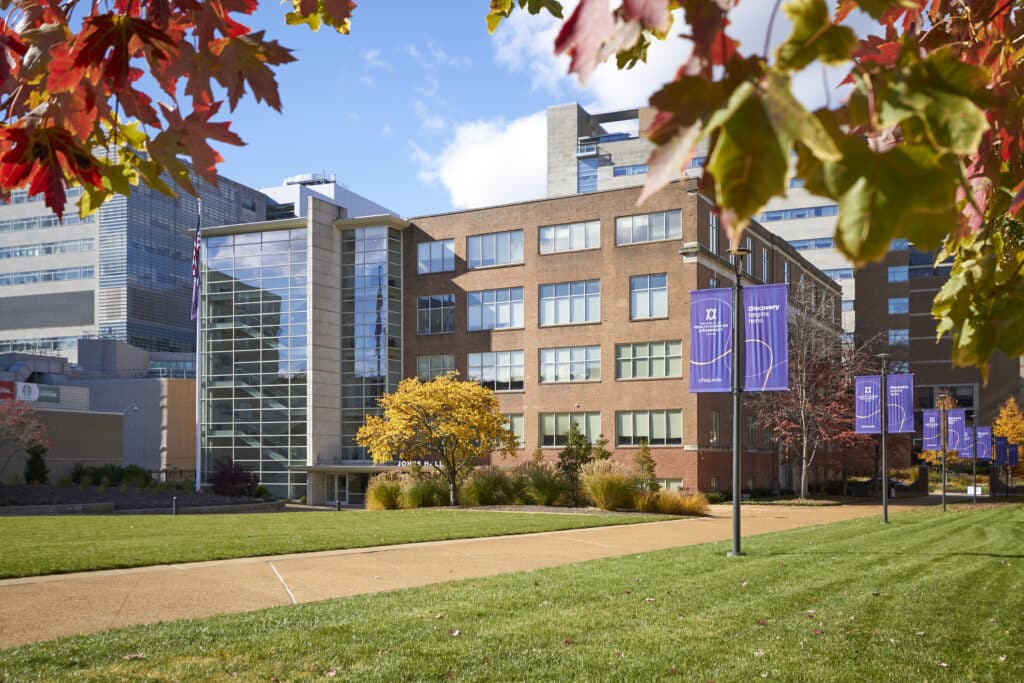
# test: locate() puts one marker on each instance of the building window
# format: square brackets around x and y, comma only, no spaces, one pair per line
[570,237]
[429,367]
[648,227]
[713,232]
[898,273]
[648,296]
[847,338]
[495,309]
[51,275]
[764,264]
[847,305]
[918,272]
[751,433]
[713,282]
[586,175]
[435,314]
[900,304]
[497,370]
[495,249]
[899,337]
[568,303]
[785,272]
[899,366]
[656,427]
[47,248]
[899,245]
[813,243]
[750,256]
[714,484]
[796,214]
[649,360]
[570,364]
[554,427]
[839,273]
[632,169]
[716,420]
[796,182]
[435,257]
[515,423]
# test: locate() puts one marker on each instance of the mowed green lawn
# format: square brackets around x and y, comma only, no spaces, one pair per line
[53,545]
[931,597]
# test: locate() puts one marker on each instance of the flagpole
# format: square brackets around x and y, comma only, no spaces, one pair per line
[196,296]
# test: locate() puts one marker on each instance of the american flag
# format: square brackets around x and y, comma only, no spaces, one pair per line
[195,266]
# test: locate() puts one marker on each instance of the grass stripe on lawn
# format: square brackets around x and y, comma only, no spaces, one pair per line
[930,597]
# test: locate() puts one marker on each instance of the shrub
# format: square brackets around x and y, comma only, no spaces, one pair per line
[715,497]
[610,485]
[571,460]
[644,467]
[681,503]
[384,492]
[111,475]
[488,486]
[231,479]
[541,483]
[646,501]
[426,490]
[36,471]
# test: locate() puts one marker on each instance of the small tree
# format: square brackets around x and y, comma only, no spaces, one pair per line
[571,459]
[445,423]
[643,465]
[20,429]
[600,450]
[36,471]
[1010,422]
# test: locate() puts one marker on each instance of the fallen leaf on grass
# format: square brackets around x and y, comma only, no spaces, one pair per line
[818,632]
[567,641]
[331,673]
[648,599]
[876,594]
[455,632]
[618,653]
[744,584]
[133,655]
[918,633]
[762,622]
[942,664]
[764,674]
[759,653]
[1002,658]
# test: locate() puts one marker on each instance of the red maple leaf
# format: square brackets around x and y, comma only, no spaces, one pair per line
[584,34]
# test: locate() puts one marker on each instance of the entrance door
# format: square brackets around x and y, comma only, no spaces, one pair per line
[356,488]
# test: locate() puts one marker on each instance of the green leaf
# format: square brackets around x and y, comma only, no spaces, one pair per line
[814,37]
[793,120]
[906,191]
[876,8]
[749,161]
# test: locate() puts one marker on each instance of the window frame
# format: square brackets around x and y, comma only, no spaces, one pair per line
[446,314]
[635,291]
[591,359]
[563,291]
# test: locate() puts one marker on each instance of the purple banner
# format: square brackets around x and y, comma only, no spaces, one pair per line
[900,404]
[1014,457]
[931,436]
[984,443]
[956,423]
[766,352]
[1002,450]
[967,452]
[867,404]
[710,340]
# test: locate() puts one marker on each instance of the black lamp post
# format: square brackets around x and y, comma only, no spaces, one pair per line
[738,369]
[884,357]
[945,403]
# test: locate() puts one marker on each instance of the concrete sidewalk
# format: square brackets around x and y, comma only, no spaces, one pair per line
[44,607]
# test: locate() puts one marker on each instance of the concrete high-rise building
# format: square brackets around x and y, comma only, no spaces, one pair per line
[123,273]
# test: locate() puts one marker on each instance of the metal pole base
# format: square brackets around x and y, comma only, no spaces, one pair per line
[735,553]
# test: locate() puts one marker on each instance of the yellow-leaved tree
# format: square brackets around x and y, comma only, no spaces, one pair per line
[446,423]
[1010,422]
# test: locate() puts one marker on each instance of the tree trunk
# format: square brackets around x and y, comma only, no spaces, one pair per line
[453,489]
[803,477]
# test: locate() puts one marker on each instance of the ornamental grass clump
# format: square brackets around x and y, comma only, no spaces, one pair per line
[424,490]
[691,503]
[609,485]
[384,491]
[488,486]
[540,483]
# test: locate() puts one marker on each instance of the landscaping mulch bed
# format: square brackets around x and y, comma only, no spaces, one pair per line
[127,499]
[548,509]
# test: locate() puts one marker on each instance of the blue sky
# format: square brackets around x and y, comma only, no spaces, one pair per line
[423,111]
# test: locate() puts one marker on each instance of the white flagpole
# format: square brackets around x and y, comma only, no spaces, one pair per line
[199,350]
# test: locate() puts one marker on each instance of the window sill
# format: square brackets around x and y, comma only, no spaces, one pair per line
[568,251]
[572,381]
[640,244]
[432,334]
[589,322]
[646,379]
[641,320]
[496,329]
[496,265]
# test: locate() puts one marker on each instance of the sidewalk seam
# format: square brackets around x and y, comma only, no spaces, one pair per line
[281,579]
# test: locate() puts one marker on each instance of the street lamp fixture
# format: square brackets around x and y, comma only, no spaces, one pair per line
[738,369]
[884,357]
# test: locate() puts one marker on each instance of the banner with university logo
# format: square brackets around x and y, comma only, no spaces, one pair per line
[956,423]
[1012,453]
[1002,450]
[710,340]
[984,443]
[868,404]
[766,352]
[931,433]
[967,452]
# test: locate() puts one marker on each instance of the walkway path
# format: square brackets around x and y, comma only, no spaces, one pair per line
[44,607]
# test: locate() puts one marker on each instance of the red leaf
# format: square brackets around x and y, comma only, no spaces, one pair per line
[245,59]
[652,14]
[583,35]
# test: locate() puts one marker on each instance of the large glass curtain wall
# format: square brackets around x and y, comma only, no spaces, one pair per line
[254,340]
[371,327]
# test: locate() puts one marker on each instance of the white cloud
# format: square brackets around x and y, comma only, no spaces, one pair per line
[430,88]
[490,162]
[386,130]
[366,80]
[429,121]
[372,60]
[433,56]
